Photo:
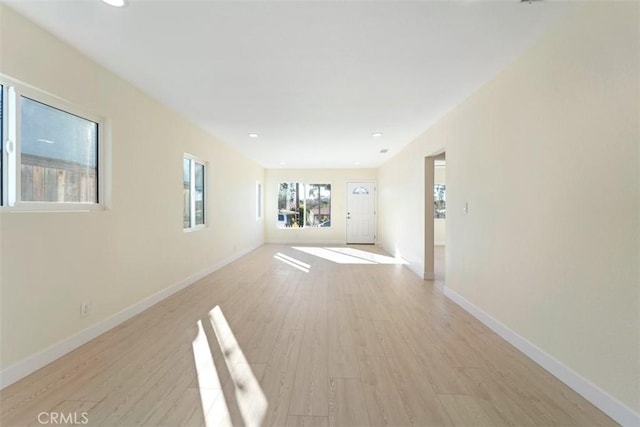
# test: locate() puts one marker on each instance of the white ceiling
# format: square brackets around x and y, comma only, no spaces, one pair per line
[313,79]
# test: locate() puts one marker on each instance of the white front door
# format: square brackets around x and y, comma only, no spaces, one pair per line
[361,212]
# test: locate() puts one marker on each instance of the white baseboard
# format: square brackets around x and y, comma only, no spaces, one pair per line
[38,360]
[594,394]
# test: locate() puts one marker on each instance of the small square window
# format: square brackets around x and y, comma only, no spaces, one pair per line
[51,157]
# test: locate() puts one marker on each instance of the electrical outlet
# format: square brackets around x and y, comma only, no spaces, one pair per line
[85,308]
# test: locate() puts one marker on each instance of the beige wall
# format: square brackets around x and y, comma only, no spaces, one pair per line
[338,179]
[546,155]
[51,262]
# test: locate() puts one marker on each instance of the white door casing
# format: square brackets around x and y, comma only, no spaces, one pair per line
[361,212]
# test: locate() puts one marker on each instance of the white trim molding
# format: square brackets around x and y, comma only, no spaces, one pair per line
[594,394]
[32,363]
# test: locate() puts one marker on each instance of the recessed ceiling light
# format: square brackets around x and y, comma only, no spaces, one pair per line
[384,150]
[376,134]
[115,3]
[357,163]
[253,135]
[281,163]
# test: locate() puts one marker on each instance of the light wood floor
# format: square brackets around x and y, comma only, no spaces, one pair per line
[263,341]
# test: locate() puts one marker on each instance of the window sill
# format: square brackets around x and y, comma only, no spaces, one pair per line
[196,228]
[304,228]
[37,207]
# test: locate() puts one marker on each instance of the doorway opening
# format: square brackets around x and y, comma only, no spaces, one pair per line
[435,209]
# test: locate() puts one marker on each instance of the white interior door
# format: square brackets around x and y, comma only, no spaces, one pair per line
[361,212]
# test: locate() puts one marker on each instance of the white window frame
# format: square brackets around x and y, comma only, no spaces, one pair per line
[192,192]
[259,198]
[11,150]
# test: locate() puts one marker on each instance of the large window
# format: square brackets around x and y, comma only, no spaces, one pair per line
[51,152]
[304,205]
[193,177]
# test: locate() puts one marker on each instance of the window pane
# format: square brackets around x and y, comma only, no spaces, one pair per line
[318,205]
[290,204]
[186,178]
[59,155]
[199,193]
[439,201]
[259,200]
[1,144]
[360,190]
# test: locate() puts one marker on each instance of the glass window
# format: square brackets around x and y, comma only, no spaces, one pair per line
[258,200]
[193,184]
[58,154]
[290,205]
[360,190]
[50,152]
[318,205]
[304,205]
[439,201]
[1,144]
[186,178]
[199,193]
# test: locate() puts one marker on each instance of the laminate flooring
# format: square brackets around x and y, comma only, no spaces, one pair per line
[289,336]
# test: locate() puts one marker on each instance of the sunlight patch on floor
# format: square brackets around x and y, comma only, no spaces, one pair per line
[329,255]
[342,255]
[251,399]
[371,256]
[208,381]
[292,262]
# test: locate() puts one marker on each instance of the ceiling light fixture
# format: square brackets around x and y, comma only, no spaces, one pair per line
[253,135]
[115,3]
[376,134]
